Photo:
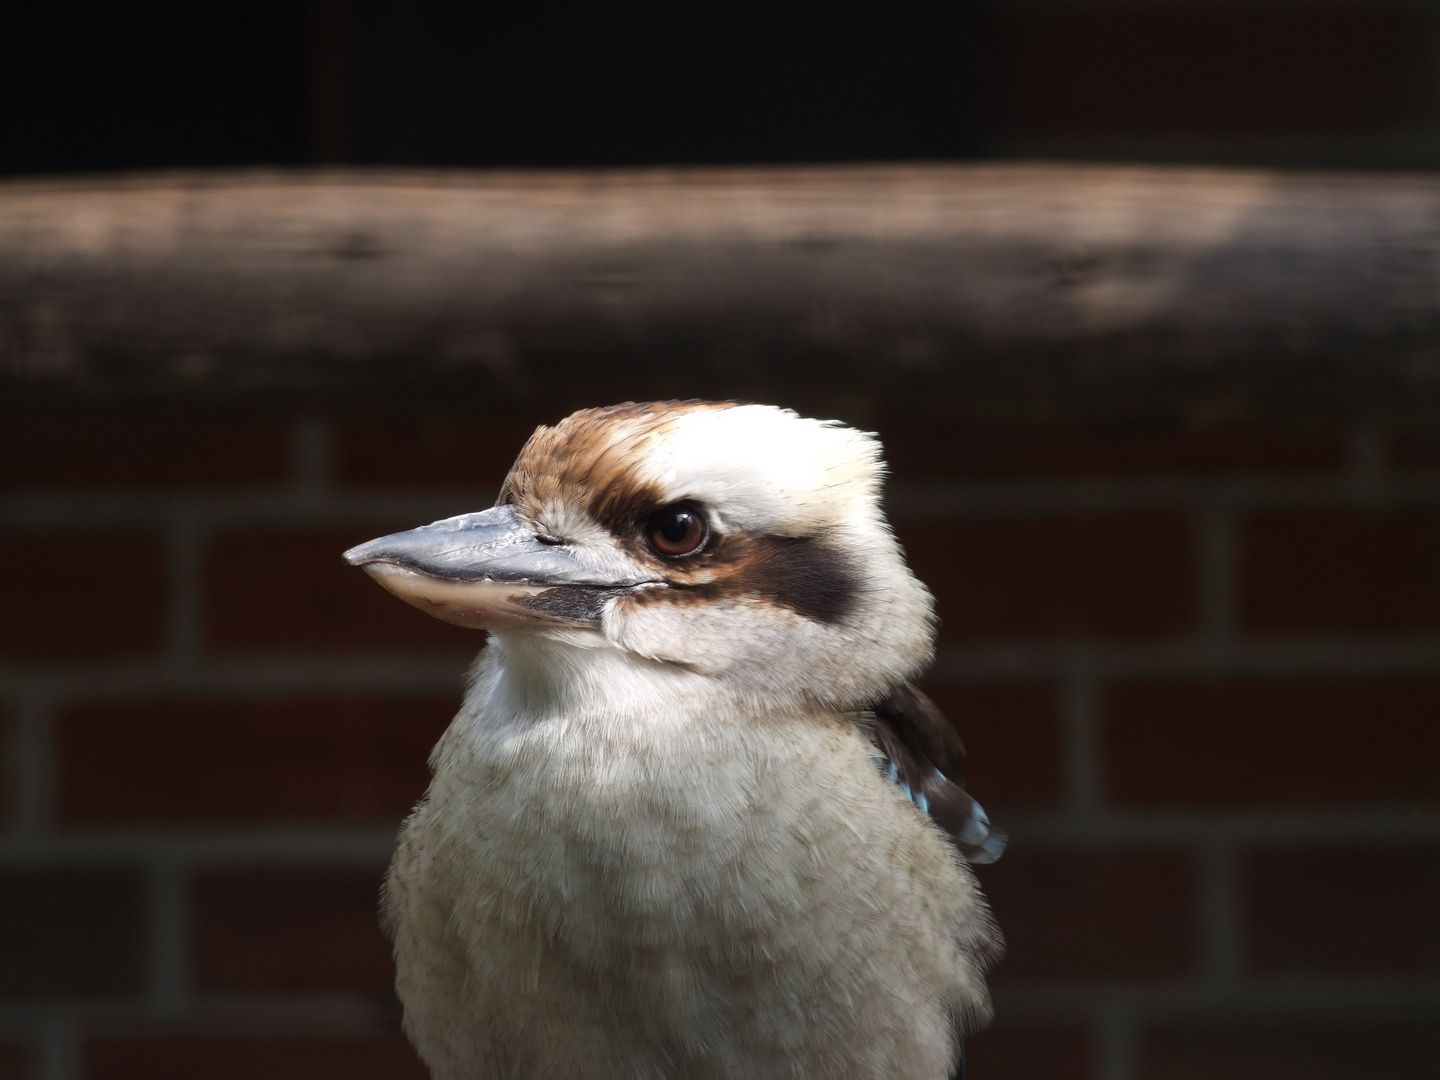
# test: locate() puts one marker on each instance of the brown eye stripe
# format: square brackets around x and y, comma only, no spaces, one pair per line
[804,574]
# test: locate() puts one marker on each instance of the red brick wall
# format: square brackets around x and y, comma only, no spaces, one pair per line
[1198,672]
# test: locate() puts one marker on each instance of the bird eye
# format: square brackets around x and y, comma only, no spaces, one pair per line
[675,531]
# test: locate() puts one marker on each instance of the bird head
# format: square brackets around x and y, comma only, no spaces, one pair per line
[742,543]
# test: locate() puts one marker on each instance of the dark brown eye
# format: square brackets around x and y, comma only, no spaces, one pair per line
[675,531]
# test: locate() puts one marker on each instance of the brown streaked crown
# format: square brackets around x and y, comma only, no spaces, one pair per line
[590,459]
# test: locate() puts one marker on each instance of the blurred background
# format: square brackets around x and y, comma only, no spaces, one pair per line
[1188,560]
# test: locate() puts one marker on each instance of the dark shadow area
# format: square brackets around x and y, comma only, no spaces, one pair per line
[96,87]
[93,86]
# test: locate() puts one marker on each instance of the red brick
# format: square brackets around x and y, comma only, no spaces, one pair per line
[1215,72]
[289,931]
[235,762]
[1334,572]
[290,591]
[1128,575]
[1012,741]
[1345,912]
[71,934]
[1273,743]
[1414,452]
[7,768]
[930,448]
[388,1058]
[1093,915]
[433,450]
[1333,1050]
[79,597]
[1030,1053]
[162,452]
[15,1063]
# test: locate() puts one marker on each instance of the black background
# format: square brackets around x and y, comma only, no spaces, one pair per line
[87,86]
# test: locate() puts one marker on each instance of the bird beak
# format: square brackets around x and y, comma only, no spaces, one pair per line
[490,570]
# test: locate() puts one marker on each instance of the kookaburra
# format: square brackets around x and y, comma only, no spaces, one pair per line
[692,820]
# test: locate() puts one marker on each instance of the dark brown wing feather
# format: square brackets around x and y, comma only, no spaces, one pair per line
[928,760]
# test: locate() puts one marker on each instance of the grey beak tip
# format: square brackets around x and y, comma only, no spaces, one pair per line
[359,554]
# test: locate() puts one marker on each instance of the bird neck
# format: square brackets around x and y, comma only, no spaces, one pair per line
[534,677]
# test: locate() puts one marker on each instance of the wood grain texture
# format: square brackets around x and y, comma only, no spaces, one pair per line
[1103,288]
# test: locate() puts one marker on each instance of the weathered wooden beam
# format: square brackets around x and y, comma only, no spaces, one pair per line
[1109,288]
